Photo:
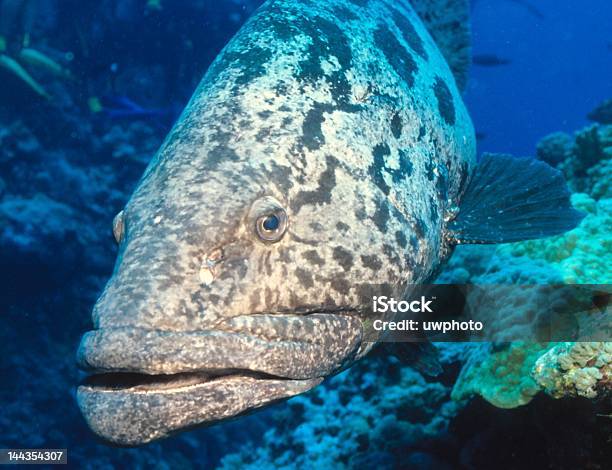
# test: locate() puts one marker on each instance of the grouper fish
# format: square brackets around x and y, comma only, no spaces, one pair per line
[325,157]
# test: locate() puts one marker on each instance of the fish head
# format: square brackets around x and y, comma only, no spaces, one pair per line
[233,288]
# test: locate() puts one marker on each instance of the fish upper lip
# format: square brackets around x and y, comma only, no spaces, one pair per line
[279,345]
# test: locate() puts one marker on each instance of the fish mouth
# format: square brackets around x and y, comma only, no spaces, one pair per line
[149,384]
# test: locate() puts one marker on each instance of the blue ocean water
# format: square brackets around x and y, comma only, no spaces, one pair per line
[82,111]
[559,70]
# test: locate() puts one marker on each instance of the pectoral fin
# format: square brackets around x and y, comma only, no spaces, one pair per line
[512,199]
[422,356]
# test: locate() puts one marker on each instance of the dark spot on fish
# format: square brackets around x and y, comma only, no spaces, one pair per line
[264,114]
[250,63]
[317,226]
[330,301]
[313,257]
[378,167]
[268,296]
[343,257]
[464,177]
[304,277]
[281,89]
[406,166]
[445,101]
[422,132]
[339,284]
[371,262]
[322,195]
[414,242]
[342,227]
[396,126]
[420,229]
[281,177]
[255,299]
[404,170]
[429,169]
[400,237]
[312,133]
[442,182]
[263,134]
[266,263]
[344,14]
[409,33]
[286,255]
[327,40]
[389,252]
[220,153]
[433,210]
[397,55]
[294,298]
[381,215]
[361,214]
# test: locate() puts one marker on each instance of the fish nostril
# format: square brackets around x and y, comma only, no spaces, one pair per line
[207,273]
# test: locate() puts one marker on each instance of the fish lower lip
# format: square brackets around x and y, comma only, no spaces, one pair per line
[135,410]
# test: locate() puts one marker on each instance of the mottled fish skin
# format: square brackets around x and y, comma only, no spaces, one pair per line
[327,108]
[342,112]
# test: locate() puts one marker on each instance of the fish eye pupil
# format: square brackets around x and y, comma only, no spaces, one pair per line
[269,220]
[271,223]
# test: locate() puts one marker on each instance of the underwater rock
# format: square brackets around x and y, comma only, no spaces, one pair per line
[592,151]
[576,369]
[602,113]
[36,223]
[580,256]
[134,141]
[555,148]
[585,159]
[500,374]
[592,146]
[378,408]
[17,141]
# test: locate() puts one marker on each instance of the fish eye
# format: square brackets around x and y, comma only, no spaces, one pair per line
[271,226]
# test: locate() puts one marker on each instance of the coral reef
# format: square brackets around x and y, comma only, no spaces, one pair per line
[555,148]
[576,369]
[510,375]
[581,256]
[602,113]
[501,374]
[585,159]
[378,413]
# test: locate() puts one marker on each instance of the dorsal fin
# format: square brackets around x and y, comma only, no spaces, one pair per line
[448,22]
